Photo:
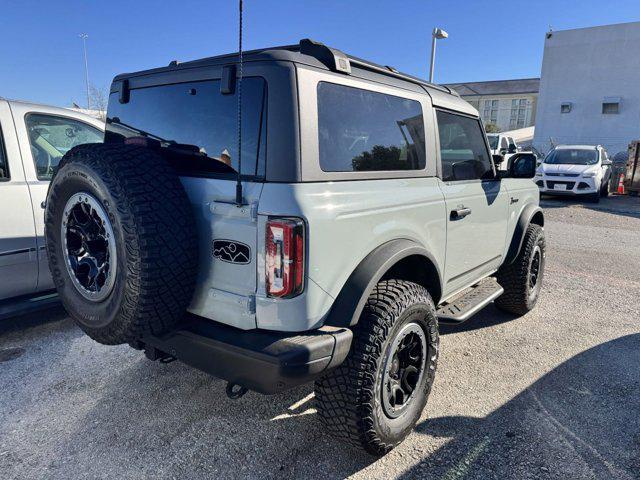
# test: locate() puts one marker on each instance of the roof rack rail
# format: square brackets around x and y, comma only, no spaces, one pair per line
[336,60]
[331,57]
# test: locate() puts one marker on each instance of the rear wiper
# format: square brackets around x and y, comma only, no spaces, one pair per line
[116,120]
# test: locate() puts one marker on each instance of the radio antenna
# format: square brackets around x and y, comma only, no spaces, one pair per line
[238,178]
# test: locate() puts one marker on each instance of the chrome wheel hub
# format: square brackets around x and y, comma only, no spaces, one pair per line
[403,370]
[89,246]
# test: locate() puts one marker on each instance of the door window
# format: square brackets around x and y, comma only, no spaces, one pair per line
[4,167]
[463,150]
[50,137]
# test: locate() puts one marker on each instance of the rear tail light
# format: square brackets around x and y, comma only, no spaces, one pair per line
[284,257]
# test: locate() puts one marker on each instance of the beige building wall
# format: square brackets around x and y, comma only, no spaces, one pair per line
[508,112]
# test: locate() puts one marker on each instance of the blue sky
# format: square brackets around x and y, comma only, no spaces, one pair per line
[41,53]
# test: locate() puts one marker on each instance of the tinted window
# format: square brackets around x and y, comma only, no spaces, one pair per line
[51,137]
[195,125]
[493,141]
[4,167]
[360,130]
[462,148]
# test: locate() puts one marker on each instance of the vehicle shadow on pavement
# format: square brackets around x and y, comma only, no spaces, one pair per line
[618,205]
[578,421]
[33,319]
[487,317]
[173,421]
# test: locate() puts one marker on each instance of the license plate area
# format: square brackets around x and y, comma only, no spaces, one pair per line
[560,186]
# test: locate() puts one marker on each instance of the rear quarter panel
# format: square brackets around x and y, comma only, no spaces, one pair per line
[348,220]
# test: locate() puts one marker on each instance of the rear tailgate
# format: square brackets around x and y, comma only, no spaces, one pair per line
[228,239]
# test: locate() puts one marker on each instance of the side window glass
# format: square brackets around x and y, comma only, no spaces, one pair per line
[503,143]
[361,130]
[4,165]
[463,150]
[50,137]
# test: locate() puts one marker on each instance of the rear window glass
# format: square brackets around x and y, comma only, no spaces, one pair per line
[360,130]
[195,126]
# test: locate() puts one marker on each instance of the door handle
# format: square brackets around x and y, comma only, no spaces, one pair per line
[460,213]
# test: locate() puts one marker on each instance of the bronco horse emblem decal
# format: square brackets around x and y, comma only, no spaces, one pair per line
[232,252]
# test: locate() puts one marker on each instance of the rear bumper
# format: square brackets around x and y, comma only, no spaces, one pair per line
[265,361]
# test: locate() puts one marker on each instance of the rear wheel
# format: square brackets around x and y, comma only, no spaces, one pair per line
[121,241]
[522,279]
[374,399]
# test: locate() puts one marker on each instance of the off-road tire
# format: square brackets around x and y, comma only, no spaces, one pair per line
[348,398]
[518,297]
[155,237]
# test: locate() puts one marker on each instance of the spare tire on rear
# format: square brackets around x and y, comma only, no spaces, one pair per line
[121,241]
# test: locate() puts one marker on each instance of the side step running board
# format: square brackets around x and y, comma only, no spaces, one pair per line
[470,301]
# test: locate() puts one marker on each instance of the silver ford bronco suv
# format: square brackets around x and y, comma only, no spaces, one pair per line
[362,208]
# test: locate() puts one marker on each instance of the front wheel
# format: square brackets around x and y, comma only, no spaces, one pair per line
[606,189]
[522,279]
[374,399]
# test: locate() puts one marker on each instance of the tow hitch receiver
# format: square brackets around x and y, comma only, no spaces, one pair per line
[154,354]
[235,391]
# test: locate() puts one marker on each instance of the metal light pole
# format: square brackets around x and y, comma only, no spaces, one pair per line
[437,34]
[84,37]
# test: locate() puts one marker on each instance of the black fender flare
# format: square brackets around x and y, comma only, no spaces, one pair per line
[526,216]
[350,302]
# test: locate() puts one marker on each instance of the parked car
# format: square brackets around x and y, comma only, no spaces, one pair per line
[331,258]
[504,146]
[33,139]
[583,170]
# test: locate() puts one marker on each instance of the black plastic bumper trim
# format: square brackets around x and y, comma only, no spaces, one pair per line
[261,360]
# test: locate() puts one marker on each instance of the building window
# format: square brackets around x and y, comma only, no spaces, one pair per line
[565,107]
[610,107]
[490,113]
[518,113]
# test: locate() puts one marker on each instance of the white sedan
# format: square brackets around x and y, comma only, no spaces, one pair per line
[575,170]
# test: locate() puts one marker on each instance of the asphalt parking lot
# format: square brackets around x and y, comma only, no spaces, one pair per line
[553,394]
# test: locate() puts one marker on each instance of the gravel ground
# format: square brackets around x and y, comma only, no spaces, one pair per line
[553,394]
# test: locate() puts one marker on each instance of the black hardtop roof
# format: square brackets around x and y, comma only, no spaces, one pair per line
[295,54]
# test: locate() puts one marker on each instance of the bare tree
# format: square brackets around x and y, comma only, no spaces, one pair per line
[98,99]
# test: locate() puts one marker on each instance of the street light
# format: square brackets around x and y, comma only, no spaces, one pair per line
[84,37]
[437,34]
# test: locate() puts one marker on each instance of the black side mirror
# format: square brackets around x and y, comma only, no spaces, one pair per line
[498,159]
[523,165]
[503,151]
